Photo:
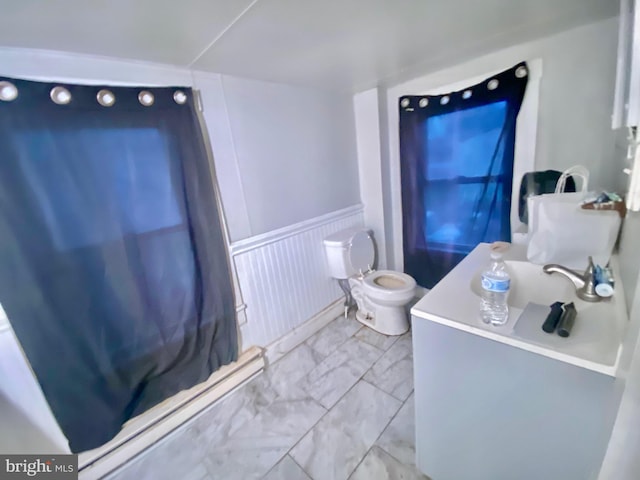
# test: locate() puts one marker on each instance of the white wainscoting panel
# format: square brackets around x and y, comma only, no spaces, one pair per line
[283,275]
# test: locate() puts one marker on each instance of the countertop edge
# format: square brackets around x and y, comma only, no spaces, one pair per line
[609,370]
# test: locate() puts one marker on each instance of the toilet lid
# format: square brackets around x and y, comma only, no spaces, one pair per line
[361,253]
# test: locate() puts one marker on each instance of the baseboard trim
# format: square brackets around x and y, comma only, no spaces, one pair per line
[118,452]
[295,337]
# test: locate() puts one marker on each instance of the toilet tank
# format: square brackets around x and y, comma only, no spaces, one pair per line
[349,252]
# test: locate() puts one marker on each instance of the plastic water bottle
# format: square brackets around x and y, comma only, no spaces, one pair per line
[495,291]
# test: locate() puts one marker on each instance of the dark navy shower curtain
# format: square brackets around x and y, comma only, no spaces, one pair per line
[113,264]
[456,160]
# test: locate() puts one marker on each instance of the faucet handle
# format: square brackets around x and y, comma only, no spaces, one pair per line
[589,279]
[590,267]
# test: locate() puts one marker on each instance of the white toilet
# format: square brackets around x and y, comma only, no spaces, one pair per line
[381,295]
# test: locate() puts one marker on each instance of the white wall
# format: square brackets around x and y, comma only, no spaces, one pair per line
[575,105]
[295,151]
[367,122]
[622,461]
[630,256]
[27,422]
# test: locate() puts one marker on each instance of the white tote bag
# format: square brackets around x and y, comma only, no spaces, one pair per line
[560,231]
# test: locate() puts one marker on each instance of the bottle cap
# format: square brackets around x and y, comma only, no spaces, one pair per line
[500,247]
[604,290]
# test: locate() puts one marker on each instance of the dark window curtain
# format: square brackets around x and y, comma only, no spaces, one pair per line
[456,160]
[113,263]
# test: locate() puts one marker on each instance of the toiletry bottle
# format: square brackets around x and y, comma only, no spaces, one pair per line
[495,290]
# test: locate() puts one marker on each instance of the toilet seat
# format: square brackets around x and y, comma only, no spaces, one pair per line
[387,284]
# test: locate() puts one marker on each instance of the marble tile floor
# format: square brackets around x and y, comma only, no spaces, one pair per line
[339,406]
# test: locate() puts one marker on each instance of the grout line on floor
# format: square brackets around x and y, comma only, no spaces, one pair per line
[327,410]
[320,419]
[324,357]
[385,428]
[360,379]
[301,468]
[274,466]
[395,338]
[382,432]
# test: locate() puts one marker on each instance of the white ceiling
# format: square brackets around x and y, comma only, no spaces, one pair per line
[348,45]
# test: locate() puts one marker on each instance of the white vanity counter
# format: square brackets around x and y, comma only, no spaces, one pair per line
[595,340]
[513,401]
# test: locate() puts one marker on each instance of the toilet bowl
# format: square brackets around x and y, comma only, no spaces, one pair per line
[381,296]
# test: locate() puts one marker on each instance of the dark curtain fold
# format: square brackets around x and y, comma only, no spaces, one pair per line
[456,160]
[113,264]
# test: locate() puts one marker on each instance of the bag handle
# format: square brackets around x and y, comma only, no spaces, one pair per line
[575,171]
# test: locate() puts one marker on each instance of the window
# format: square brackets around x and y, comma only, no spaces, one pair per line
[464,182]
[127,183]
[457,166]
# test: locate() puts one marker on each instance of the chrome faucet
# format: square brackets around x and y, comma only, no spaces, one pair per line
[585,283]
